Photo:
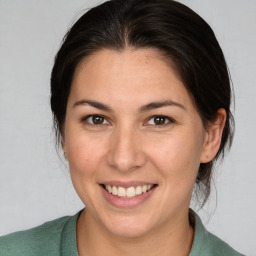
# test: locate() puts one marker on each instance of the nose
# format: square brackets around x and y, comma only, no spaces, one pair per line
[126,150]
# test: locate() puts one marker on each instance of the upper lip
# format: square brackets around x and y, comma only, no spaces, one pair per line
[127,184]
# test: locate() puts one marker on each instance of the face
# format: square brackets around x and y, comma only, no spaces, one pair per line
[134,141]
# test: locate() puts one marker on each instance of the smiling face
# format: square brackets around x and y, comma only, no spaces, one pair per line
[131,128]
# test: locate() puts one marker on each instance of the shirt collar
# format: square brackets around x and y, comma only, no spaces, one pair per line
[69,243]
[200,236]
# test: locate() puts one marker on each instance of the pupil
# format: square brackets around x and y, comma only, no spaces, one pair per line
[159,120]
[97,120]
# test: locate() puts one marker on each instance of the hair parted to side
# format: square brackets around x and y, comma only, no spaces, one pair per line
[178,33]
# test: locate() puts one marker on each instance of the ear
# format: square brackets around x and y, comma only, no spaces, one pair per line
[213,136]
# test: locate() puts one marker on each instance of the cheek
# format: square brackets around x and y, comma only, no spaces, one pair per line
[177,157]
[85,158]
[84,155]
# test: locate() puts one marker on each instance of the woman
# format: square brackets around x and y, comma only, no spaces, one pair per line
[140,95]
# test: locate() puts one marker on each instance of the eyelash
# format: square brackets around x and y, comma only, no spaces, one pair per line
[168,119]
[85,119]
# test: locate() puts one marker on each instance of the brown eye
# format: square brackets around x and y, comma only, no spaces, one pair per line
[96,120]
[159,120]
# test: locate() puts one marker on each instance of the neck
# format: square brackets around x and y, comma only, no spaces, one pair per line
[173,239]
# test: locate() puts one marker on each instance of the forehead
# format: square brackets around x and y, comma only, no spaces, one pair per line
[137,75]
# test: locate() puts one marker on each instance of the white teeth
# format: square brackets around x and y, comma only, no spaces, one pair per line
[114,191]
[138,190]
[150,186]
[121,192]
[144,188]
[128,192]
[109,188]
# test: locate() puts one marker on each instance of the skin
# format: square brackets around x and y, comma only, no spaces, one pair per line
[130,146]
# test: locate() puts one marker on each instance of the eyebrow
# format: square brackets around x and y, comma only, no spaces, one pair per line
[160,104]
[146,108]
[94,104]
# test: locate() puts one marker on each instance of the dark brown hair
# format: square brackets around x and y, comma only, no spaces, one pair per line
[176,31]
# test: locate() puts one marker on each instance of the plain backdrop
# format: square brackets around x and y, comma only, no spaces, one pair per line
[34,183]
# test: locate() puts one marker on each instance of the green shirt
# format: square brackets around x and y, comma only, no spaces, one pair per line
[58,237]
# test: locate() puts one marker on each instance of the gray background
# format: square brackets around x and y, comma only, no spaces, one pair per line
[35,184]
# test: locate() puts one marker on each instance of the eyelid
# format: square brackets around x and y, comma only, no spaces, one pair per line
[85,119]
[170,120]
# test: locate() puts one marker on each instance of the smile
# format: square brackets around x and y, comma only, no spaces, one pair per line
[129,192]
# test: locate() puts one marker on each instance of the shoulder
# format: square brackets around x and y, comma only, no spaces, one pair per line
[219,247]
[207,244]
[36,241]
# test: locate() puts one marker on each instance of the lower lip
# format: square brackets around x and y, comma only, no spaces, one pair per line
[127,202]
